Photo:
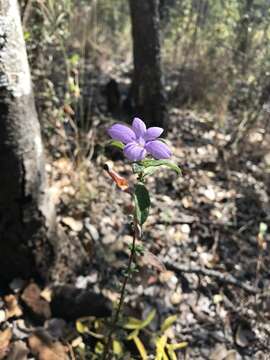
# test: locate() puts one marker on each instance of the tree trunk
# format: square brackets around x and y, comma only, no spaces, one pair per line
[28,233]
[148,89]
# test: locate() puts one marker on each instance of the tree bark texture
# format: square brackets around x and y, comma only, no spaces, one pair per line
[148,88]
[28,234]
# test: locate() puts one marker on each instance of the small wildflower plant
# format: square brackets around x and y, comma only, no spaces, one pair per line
[147,152]
[139,141]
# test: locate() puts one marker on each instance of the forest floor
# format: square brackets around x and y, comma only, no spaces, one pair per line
[207,228]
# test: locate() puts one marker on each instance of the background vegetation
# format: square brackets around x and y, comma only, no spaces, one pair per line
[202,291]
[216,53]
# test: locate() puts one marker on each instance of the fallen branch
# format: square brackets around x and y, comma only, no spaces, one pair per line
[225,278]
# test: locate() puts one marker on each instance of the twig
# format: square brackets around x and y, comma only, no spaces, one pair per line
[122,296]
[26,12]
[225,278]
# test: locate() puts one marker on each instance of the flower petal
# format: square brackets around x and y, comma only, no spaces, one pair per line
[153,133]
[138,126]
[158,149]
[122,133]
[134,152]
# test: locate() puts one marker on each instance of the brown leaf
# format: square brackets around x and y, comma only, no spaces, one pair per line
[219,353]
[46,294]
[5,337]
[13,308]
[73,224]
[68,110]
[44,348]
[149,259]
[39,307]
[18,351]
[244,335]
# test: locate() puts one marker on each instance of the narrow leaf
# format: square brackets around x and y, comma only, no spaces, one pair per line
[168,322]
[137,169]
[142,203]
[99,348]
[150,170]
[133,323]
[117,347]
[80,327]
[179,346]
[117,144]
[148,319]
[136,324]
[160,348]
[133,334]
[171,353]
[95,335]
[146,163]
[140,347]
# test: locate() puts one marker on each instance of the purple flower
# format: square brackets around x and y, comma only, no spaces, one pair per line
[140,141]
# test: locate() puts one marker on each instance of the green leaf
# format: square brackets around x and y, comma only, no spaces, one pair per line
[150,170]
[142,203]
[138,324]
[95,335]
[263,228]
[117,144]
[117,347]
[167,323]
[148,319]
[133,323]
[74,59]
[99,348]
[140,347]
[137,169]
[171,353]
[147,163]
[80,327]
[160,348]
[133,334]
[178,346]
[26,35]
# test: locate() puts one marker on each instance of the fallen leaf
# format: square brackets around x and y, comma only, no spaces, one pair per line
[13,308]
[232,355]
[244,335]
[57,328]
[44,348]
[149,259]
[5,337]
[165,276]
[18,351]
[39,307]
[176,297]
[2,316]
[219,353]
[17,284]
[46,294]
[77,341]
[73,224]
[20,330]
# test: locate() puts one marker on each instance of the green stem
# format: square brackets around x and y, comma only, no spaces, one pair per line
[122,297]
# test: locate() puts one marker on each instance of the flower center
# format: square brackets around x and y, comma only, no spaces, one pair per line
[140,141]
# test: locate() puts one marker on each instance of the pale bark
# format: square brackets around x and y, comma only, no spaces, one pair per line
[28,237]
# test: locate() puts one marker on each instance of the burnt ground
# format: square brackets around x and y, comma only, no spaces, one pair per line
[205,227]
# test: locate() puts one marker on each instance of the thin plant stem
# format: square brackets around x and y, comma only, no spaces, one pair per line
[122,297]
